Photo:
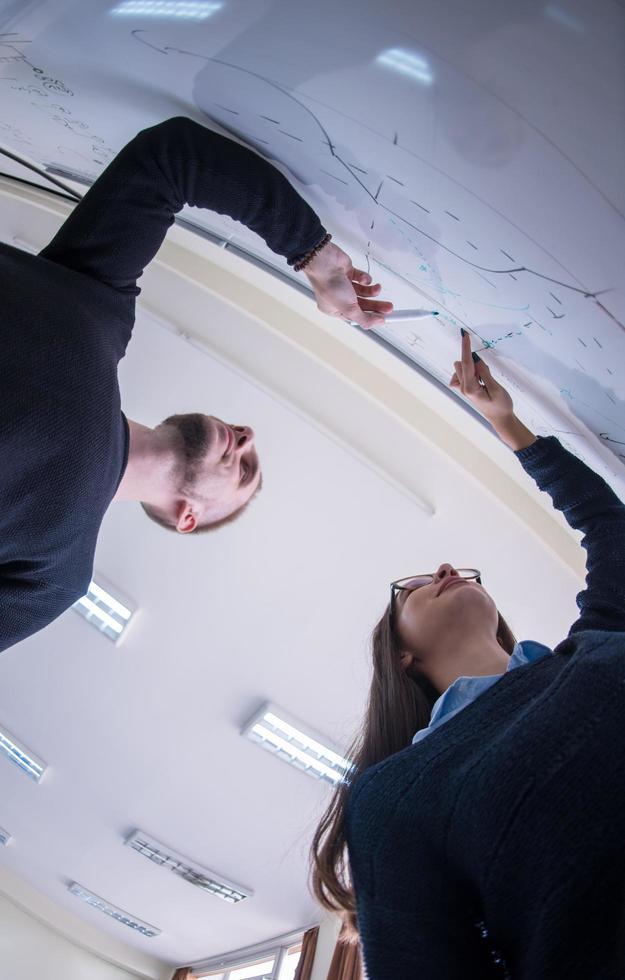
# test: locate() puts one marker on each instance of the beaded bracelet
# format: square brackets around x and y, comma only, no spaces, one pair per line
[308,258]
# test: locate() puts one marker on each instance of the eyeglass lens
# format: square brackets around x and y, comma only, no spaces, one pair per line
[416,582]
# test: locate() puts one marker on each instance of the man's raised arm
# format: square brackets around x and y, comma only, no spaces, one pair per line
[122,220]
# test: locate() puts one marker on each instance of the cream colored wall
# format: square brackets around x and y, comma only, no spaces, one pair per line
[29,949]
[38,938]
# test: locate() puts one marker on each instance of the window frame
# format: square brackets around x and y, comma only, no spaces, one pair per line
[278,952]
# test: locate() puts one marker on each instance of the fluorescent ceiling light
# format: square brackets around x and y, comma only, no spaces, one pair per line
[287,738]
[183,9]
[21,757]
[118,914]
[208,881]
[5,837]
[407,63]
[104,611]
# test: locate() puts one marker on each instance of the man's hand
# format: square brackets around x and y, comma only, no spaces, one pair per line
[490,398]
[341,290]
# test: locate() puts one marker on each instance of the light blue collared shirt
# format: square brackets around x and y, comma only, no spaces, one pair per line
[464,690]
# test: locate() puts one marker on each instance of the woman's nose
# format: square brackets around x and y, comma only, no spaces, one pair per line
[445,569]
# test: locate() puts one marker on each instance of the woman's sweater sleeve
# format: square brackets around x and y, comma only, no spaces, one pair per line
[441,943]
[122,220]
[592,507]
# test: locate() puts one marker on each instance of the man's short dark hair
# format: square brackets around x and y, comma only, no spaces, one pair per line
[159,518]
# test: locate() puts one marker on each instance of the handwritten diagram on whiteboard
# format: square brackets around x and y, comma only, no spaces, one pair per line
[453,192]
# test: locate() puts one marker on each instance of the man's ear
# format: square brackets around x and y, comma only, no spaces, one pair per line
[186,520]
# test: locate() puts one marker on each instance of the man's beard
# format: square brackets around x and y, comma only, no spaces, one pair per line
[192,446]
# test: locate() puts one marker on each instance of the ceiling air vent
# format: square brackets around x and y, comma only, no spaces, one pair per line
[208,881]
[5,837]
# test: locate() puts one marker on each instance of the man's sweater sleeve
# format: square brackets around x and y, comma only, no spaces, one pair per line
[27,606]
[592,507]
[122,220]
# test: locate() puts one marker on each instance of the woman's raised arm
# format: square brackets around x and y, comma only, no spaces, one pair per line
[587,502]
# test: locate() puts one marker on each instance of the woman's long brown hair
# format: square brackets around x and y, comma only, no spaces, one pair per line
[399,704]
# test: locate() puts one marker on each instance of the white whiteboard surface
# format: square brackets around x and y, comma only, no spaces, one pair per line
[471,155]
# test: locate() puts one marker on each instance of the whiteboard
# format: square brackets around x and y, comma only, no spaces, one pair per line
[472,159]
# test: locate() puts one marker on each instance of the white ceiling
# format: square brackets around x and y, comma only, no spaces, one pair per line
[280,605]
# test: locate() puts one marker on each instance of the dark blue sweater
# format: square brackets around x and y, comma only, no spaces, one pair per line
[509,820]
[65,320]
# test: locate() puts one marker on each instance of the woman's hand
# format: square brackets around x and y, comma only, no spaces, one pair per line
[490,398]
[341,290]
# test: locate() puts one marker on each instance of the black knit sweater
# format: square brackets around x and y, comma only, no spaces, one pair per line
[496,846]
[66,317]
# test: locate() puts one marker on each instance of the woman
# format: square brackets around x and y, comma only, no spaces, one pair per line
[494,846]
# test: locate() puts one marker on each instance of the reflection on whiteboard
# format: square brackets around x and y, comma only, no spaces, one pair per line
[452,194]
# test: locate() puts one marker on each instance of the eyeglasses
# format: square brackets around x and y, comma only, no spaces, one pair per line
[416,581]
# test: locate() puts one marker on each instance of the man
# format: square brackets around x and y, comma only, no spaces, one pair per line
[66,449]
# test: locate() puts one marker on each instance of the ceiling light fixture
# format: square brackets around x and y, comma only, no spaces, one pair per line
[208,881]
[21,757]
[183,9]
[118,914]
[102,610]
[407,63]
[288,739]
